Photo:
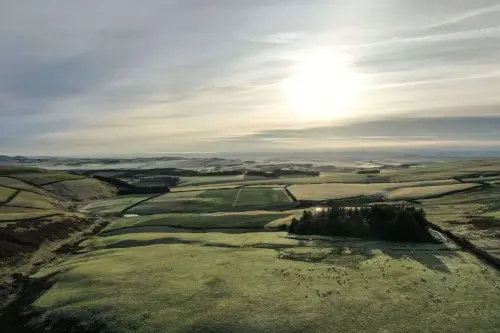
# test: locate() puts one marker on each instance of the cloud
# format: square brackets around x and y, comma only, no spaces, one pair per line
[126,76]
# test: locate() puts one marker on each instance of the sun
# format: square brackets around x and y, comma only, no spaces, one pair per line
[322,86]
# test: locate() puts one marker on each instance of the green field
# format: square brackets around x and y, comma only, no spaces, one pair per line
[259,196]
[47,177]
[32,200]
[197,221]
[81,189]
[202,258]
[114,205]
[414,190]
[5,193]
[427,191]
[194,201]
[259,282]
[20,185]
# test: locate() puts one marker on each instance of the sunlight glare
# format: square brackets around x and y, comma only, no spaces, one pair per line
[323,86]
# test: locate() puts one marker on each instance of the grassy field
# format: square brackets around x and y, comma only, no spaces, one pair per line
[47,177]
[20,185]
[205,221]
[26,215]
[202,188]
[32,200]
[113,206]
[14,170]
[255,196]
[5,193]
[267,284]
[339,191]
[194,201]
[149,274]
[197,181]
[427,191]
[82,189]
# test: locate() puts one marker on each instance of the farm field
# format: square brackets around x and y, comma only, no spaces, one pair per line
[214,200]
[20,185]
[81,189]
[32,200]
[255,196]
[395,290]
[210,257]
[194,201]
[197,221]
[5,193]
[414,190]
[113,205]
[47,177]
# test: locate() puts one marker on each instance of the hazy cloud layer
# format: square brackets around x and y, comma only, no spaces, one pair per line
[128,77]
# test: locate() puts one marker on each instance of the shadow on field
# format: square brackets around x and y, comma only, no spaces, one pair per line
[174,240]
[430,259]
[179,229]
[21,316]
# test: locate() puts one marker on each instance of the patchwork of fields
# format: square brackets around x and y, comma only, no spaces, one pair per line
[202,258]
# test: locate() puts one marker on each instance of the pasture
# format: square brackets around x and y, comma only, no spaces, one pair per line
[43,178]
[83,189]
[197,221]
[20,185]
[113,206]
[193,201]
[395,191]
[33,200]
[5,193]
[257,196]
[289,285]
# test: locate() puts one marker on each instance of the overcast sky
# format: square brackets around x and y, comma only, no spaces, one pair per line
[161,76]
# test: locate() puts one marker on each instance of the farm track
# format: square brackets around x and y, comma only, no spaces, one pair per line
[10,198]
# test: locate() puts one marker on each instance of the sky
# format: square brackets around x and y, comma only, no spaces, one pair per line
[157,77]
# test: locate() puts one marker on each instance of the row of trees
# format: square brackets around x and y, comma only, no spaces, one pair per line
[387,222]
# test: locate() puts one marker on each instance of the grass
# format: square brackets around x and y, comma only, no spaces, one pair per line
[202,188]
[14,170]
[340,191]
[427,191]
[82,189]
[196,201]
[259,196]
[27,215]
[197,181]
[5,193]
[47,177]
[32,200]
[204,221]
[259,282]
[113,205]
[20,185]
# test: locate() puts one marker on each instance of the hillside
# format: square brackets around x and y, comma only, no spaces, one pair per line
[226,254]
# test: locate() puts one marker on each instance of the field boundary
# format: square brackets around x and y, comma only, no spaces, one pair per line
[140,202]
[34,185]
[10,198]
[290,194]
[466,245]
[177,226]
